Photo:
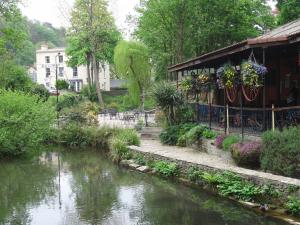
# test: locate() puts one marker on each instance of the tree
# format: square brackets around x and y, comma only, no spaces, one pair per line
[92,38]
[133,63]
[289,11]
[62,85]
[180,29]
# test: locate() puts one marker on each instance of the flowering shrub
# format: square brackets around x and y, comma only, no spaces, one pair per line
[228,141]
[186,84]
[219,141]
[247,153]
[226,76]
[252,73]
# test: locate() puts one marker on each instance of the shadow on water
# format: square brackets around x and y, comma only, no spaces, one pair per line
[83,187]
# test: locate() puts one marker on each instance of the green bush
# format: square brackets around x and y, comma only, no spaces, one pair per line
[209,134]
[129,136]
[90,92]
[293,206]
[40,91]
[139,159]
[181,142]
[171,134]
[62,85]
[194,174]
[281,152]
[247,153]
[195,133]
[166,169]
[67,101]
[24,122]
[228,141]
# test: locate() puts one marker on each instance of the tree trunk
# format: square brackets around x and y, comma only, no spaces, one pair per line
[142,97]
[97,81]
[92,69]
[88,69]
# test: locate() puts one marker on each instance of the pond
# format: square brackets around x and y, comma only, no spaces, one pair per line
[86,188]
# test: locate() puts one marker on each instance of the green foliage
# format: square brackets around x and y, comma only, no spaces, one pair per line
[281,152]
[181,142]
[194,174]
[195,133]
[133,63]
[139,159]
[228,141]
[209,134]
[68,101]
[25,122]
[168,98]
[247,153]
[62,85]
[197,27]
[293,206]
[289,10]
[90,92]
[171,134]
[129,136]
[40,91]
[230,184]
[166,169]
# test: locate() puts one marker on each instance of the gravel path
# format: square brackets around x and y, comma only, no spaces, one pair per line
[208,160]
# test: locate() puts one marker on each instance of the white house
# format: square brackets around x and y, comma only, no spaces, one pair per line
[50,61]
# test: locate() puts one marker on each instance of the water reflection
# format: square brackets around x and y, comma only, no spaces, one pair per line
[85,188]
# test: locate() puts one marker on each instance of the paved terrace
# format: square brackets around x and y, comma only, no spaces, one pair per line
[213,162]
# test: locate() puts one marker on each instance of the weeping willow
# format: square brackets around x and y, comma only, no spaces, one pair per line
[132,63]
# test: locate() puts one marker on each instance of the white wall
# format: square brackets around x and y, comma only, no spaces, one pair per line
[78,81]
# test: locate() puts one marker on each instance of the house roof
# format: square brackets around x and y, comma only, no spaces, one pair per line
[288,33]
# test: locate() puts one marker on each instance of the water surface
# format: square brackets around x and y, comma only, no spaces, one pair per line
[86,188]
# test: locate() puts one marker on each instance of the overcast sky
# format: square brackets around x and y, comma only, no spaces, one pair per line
[56,11]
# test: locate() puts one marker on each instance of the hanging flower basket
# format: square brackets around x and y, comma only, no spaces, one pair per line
[227,76]
[231,93]
[252,77]
[203,82]
[186,85]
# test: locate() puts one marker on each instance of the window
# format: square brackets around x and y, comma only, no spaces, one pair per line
[61,71]
[48,73]
[75,72]
[60,59]
[47,59]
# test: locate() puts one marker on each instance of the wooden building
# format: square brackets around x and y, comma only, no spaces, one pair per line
[279,51]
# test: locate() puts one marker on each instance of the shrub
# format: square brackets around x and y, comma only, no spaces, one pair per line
[281,152]
[181,142]
[208,134]
[62,85]
[247,153]
[293,206]
[172,133]
[195,133]
[166,169]
[68,101]
[90,92]
[40,91]
[228,141]
[219,141]
[168,98]
[24,122]
[194,174]
[139,159]
[128,136]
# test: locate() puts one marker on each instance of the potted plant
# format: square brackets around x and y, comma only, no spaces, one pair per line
[252,77]
[227,78]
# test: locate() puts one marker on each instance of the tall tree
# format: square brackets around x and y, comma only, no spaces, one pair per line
[180,29]
[133,63]
[289,10]
[92,37]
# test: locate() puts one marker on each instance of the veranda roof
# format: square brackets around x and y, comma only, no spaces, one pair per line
[286,34]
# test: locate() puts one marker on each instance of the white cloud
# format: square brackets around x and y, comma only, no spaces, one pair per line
[56,11]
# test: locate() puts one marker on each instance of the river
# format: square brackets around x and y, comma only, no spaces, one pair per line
[84,187]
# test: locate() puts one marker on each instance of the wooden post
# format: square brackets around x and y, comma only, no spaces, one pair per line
[241,112]
[209,102]
[227,119]
[273,118]
[264,93]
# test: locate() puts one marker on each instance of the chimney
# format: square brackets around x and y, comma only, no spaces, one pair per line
[44,47]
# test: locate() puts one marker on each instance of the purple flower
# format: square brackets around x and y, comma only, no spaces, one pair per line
[219,140]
